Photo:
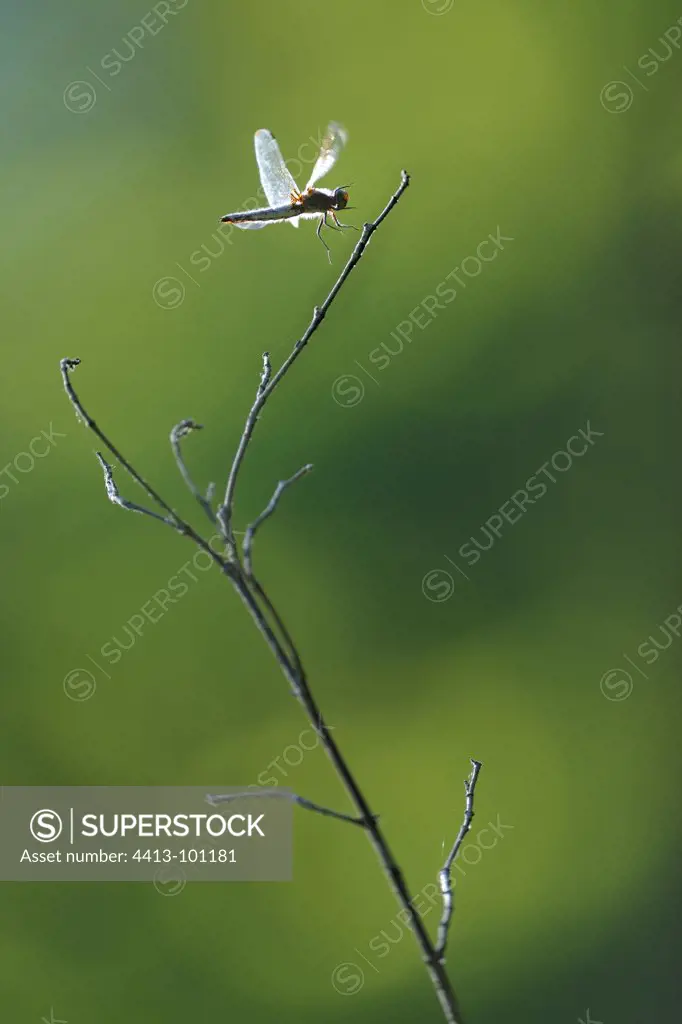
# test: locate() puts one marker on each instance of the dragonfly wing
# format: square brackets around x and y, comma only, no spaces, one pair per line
[251,225]
[264,223]
[276,180]
[333,142]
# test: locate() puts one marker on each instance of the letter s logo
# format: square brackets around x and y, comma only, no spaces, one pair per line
[46,826]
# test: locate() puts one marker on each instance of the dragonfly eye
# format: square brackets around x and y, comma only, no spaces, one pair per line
[340,199]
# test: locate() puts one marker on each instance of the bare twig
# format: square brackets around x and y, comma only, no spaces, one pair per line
[265,375]
[179,431]
[266,513]
[285,794]
[444,875]
[270,624]
[172,519]
[115,497]
[66,366]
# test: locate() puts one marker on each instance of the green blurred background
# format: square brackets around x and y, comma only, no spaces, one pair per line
[108,188]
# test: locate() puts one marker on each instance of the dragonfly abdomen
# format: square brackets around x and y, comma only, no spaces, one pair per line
[265,213]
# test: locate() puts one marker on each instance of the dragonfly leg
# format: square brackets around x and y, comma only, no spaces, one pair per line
[319,235]
[337,225]
[340,225]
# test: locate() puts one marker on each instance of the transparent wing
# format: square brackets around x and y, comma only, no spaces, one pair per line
[274,177]
[252,225]
[333,142]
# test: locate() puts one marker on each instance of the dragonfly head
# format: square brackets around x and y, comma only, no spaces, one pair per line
[340,199]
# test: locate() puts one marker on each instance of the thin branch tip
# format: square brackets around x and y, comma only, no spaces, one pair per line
[444,875]
[103,462]
[266,373]
[180,430]
[114,496]
[267,512]
[183,428]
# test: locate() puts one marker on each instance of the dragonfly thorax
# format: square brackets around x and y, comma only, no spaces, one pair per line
[323,200]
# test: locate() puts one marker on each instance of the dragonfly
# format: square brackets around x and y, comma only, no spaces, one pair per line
[286,201]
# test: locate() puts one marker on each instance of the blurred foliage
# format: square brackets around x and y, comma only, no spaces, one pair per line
[495,110]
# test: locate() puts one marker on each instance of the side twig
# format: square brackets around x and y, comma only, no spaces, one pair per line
[67,366]
[214,799]
[266,513]
[444,875]
[172,519]
[116,499]
[179,431]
